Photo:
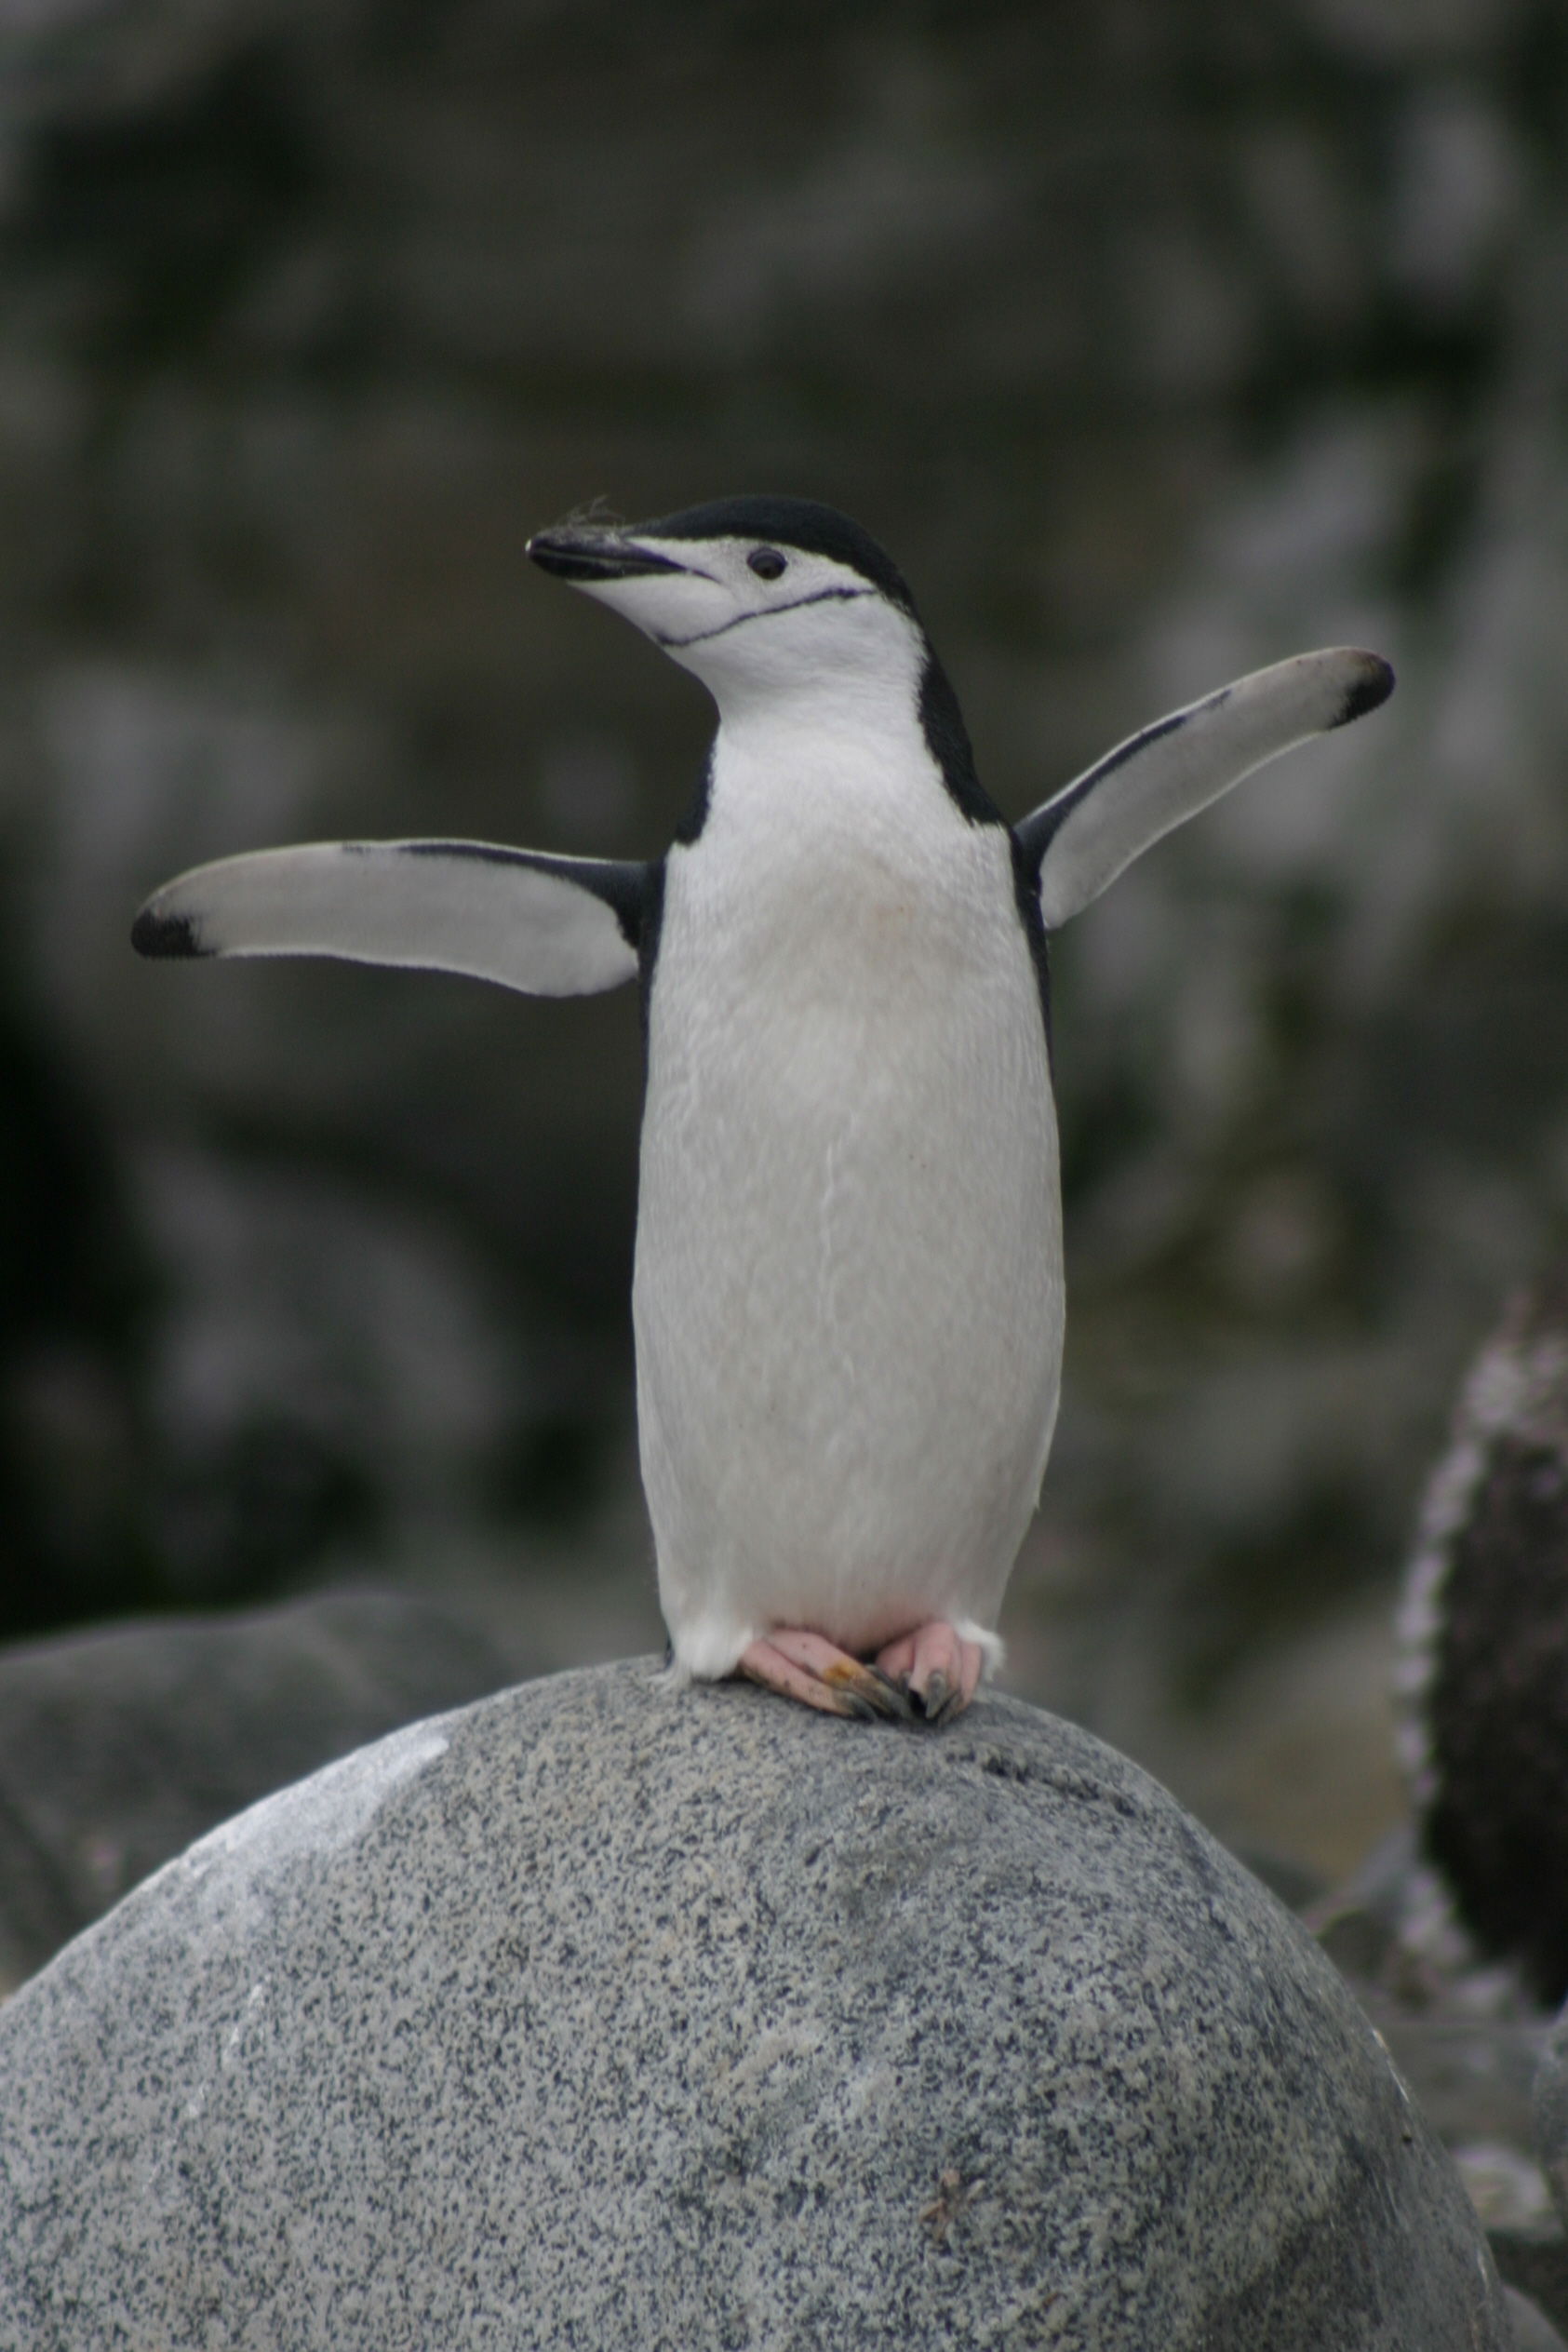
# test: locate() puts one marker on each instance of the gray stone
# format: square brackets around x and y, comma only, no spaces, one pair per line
[603,2013]
[120,1746]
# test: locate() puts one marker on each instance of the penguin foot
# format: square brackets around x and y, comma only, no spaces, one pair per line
[937,1667]
[814,1669]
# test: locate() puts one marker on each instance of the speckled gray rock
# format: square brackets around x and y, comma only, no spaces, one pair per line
[119,1746]
[606,2014]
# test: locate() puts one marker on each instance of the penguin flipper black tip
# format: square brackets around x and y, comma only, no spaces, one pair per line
[1368,692]
[1081,838]
[153,934]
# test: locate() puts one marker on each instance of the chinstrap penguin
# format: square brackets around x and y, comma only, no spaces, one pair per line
[847,1298]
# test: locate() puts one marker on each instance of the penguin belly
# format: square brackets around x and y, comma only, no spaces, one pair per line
[847,1296]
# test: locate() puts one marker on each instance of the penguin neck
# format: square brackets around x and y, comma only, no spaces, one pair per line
[853,738]
[839,757]
[857,709]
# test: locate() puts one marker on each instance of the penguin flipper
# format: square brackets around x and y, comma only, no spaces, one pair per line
[549,926]
[1086,834]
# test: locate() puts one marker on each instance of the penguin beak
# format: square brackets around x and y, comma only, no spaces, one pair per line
[588,554]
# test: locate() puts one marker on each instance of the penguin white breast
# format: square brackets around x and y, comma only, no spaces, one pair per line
[848,1295]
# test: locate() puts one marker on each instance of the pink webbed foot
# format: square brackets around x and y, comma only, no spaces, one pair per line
[939,1670]
[808,1667]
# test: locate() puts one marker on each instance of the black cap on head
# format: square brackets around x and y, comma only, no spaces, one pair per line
[800,523]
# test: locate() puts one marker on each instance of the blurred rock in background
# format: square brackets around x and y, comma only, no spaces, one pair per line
[1482,1674]
[1158,341]
[119,1748]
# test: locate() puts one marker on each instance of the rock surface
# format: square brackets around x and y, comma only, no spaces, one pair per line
[603,2013]
[118,1747]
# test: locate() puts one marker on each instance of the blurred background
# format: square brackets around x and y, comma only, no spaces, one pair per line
[1157,340]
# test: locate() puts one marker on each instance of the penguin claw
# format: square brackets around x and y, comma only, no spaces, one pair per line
[807,1667]
[927,1676]
[937,1667]
[936,1695]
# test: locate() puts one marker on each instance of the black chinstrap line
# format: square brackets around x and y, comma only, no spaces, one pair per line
[820,596]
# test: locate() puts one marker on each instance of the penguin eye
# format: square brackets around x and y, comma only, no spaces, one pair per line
[767,562]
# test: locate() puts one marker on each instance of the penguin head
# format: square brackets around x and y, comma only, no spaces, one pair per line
[758,597]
